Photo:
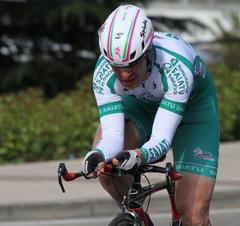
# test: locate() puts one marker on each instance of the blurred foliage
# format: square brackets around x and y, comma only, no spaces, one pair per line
[34,128]
[227,77]
[49,44]
[230,40]
[227,83]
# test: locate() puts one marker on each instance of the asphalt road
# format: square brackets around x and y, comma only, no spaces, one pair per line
[219,217]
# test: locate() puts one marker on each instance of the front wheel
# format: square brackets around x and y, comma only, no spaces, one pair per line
[124,220]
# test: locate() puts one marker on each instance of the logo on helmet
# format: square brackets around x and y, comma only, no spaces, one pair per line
[143,32]
[119,35]
[117,51]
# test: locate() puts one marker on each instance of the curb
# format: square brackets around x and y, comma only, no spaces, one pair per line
[97,208]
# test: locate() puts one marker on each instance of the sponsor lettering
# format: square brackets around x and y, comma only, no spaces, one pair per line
[173,106]
[179,80]
[202,170]
[111,108]
[190,168]
[101,77]
[159,150]
[174,82]
[98,89]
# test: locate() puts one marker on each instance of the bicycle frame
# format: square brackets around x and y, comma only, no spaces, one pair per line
[133,204]
[137,194]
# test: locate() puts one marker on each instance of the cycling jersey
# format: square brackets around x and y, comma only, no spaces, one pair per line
[177,85]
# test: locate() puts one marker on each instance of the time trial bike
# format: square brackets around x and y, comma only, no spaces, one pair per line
[132,212]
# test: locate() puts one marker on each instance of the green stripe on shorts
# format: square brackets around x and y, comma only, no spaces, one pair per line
[199,169]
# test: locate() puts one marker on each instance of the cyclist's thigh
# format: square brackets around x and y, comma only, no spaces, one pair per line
[195,150]
[196,143]
[140,115]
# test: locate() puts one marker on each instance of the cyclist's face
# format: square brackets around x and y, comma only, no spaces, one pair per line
[131,76]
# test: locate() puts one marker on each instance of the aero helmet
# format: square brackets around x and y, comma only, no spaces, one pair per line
[125,35]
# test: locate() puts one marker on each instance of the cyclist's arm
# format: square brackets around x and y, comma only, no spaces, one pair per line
[168,117]
[112,140]
[110,111]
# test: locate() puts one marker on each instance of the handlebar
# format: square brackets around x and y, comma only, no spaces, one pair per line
[70,176]
[169,171]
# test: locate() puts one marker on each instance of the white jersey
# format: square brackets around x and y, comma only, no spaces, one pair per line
[169,84]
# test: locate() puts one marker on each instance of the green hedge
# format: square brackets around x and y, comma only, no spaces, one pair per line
[227,82]
[33,128]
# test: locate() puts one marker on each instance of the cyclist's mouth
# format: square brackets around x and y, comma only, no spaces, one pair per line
[130,83]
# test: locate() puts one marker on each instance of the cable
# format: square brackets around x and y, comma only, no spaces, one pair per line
[149,185]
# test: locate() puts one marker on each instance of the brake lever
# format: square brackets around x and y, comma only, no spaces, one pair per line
[61,170]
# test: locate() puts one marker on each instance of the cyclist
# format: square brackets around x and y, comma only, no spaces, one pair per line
[154,92]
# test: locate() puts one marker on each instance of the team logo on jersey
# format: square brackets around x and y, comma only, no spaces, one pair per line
[177,75]
[168,67]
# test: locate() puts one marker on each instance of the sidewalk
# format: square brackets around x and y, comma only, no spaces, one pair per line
[31,191]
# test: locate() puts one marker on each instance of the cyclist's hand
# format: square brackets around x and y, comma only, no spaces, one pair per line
[128,160]
[93,164]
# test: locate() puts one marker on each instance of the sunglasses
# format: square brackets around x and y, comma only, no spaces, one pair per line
[132,64]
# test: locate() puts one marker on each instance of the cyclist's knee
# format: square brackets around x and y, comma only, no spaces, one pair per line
[194,216]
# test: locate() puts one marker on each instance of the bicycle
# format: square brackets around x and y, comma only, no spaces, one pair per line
[132,212]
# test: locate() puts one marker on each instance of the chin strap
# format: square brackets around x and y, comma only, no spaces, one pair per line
[149,60]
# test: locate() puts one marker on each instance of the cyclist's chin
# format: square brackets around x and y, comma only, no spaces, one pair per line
[130,85]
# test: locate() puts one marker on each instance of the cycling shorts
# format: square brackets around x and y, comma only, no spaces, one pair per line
[196,141]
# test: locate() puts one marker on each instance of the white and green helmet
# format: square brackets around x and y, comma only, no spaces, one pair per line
[125,35]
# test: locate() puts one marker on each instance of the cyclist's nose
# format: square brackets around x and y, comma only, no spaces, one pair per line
[125,74]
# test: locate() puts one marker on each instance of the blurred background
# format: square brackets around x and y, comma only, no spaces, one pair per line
[48,49]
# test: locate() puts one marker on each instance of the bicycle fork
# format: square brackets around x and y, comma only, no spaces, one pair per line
[171,193]
[132,206]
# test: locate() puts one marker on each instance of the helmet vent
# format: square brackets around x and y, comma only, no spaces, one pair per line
[105,52]
[132,55]
[143,45]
